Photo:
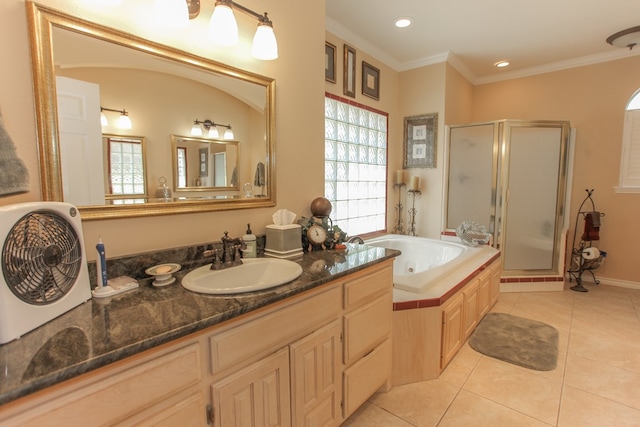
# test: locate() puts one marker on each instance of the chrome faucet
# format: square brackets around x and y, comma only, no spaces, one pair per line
[355,239]
[229,254]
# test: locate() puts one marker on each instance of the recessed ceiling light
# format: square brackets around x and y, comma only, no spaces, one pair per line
[501,64]
[403,22]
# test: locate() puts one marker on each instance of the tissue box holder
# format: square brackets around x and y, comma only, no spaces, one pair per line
[283,241]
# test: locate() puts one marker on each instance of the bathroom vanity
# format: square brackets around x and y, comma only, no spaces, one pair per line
[305,353]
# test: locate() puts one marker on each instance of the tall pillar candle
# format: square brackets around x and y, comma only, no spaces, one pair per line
[415,183]
[400,177]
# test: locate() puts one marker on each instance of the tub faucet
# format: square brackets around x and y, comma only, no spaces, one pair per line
[355,239]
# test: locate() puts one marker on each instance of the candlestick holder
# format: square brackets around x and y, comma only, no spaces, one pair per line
[412,212]
[399,228]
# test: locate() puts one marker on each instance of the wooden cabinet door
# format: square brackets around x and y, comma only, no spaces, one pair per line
[452,328]
[255,396]
[315,378]
[496,273]
[484,293]
[470,307]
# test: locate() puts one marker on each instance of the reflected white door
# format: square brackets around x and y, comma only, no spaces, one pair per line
[80,141]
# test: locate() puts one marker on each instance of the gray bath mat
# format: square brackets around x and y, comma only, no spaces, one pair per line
[517,340]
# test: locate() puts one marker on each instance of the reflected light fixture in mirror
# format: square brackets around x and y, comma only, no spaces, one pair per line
[223,28]
[212,129]
[124,122]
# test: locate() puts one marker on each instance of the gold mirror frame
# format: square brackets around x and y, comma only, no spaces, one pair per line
[41,20]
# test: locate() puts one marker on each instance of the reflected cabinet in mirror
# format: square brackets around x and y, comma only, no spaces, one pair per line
[95,86]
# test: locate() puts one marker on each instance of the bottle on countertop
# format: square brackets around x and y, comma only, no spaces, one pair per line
[250,240]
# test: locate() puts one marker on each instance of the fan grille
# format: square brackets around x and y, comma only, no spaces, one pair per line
[41,257]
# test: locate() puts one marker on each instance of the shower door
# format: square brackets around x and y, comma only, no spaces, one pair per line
[511,176]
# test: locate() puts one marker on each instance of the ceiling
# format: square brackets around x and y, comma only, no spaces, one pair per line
[535,36]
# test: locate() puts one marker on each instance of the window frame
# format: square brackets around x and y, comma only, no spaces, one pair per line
[629,181]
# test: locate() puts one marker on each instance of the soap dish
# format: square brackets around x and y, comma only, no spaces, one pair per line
[163,273]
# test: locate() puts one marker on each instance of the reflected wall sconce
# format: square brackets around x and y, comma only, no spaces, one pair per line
[212,129]
[625,38]
[124,122]
[223,28]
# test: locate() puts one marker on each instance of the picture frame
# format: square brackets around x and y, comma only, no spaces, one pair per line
[203,153]
[370,81]
[349,65]
[420,141]
[329,62]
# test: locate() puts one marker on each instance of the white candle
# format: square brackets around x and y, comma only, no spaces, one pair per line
[415,183]
[399,177]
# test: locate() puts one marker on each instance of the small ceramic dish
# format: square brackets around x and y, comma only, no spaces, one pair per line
[163,273]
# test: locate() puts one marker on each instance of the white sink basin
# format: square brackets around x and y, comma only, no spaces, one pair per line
[253,275]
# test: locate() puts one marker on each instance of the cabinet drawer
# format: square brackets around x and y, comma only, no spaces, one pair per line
[109,399]
[363,289]
[367,326]
[366,376]
[273,330]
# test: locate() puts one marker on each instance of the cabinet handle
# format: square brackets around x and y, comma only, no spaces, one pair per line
[209,414]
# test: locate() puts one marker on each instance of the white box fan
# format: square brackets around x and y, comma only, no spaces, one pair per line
[44,272]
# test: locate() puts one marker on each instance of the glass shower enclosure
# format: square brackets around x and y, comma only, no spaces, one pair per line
[511,177]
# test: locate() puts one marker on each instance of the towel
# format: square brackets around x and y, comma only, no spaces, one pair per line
[591,231]
[14,176]
[259,178]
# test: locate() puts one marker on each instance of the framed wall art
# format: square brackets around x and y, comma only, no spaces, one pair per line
[329,62]
[420,141]
[370,81]
[349,71]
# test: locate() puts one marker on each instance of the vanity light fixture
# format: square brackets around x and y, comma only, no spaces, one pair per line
[223,28]
[124,122]
[625,38]
[211,128]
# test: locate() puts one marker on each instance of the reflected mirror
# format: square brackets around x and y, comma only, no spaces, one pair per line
[201,164]
[81,68]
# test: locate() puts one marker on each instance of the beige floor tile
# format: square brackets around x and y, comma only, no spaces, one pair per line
[421,404]
[582,409]
[459,369]
[469,409]
[505,303]
[370,415]
[625,355]
[621,327]
[518,388]
[619,385]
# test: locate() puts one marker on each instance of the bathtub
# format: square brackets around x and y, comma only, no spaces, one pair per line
[430,268]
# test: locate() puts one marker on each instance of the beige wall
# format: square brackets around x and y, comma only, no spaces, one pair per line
[593,99]
[389,102]
[299,112]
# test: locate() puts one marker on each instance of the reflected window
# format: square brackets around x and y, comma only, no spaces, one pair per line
[355,166]
[630,160]
[126,168]
[181,160]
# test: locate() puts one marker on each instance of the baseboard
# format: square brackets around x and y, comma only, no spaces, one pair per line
[611,282]
[531,286]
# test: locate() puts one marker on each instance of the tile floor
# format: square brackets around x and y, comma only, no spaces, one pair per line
[596,383]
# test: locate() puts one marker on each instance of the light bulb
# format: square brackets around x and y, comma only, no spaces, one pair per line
[171,13]
[265,46]
[124,122]
[196,130]
[223,29]
[213,132]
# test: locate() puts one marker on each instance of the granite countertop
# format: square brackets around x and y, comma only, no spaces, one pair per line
[102,331]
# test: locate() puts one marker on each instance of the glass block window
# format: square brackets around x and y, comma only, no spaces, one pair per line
[355,171]
[181,157]
[126,167]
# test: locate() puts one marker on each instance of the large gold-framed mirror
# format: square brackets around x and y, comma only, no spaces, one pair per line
[194,89]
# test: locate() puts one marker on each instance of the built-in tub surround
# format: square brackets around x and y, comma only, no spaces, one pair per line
[439,268]
[103,331]
[462,280]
